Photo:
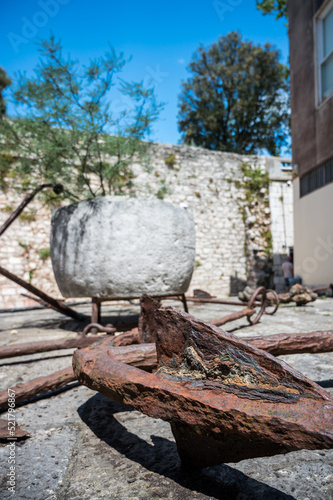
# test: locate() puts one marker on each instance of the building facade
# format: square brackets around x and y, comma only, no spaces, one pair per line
[311,63]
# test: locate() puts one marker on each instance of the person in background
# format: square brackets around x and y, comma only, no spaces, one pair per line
[288,272]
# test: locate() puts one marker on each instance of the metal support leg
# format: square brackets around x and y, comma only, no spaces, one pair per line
[95,313]
[183,298]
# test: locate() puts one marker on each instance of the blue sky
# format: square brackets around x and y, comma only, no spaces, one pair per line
[159,36]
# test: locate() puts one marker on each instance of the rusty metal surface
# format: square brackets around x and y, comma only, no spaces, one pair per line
[80,341]
[243,313]
[143,356]
[278,344]
[259,292]
[39,385]
[148,304]
[146,326]
[258,298]
[127,338]
[110,329]
[204,300]
[226,400]
[25,348]
[323,288]
[276,299]
[293,343]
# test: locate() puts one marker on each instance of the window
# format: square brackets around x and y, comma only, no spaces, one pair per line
[324,24]
[318,177]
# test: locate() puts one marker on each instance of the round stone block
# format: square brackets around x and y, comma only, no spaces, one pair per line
[111,247]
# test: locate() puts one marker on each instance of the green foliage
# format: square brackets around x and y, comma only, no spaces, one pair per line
[163,190]
[25,246]
[31,275]
[8,209]
[255,185]
[237,98]
[254,180]
[278,7]
[44,253]
[267,236]
[6,163]
[67,129]
[27,216]
[5,81]
[170,160]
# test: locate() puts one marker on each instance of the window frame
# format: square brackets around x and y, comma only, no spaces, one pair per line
[319,50]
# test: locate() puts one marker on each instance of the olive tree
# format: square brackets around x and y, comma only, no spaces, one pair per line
[70,127]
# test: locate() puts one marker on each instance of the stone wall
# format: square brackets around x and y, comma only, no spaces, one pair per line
[24,251]
[231,246]
[281,202]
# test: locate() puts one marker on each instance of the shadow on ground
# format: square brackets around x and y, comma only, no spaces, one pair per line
[161,457]
[123,322]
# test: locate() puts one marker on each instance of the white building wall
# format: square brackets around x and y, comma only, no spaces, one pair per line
[313,218]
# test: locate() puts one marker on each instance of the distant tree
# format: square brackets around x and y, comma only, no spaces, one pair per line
[236,99]
[278,7]
[68,130]
[4,83]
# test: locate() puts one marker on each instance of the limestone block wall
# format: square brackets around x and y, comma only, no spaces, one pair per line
[202,180]
[282,207]
[24,251]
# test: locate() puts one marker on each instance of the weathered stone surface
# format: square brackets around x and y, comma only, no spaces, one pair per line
[225,399]
[246,294]
[119,248]
[301,294]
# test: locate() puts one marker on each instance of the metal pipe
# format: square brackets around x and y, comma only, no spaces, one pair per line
[232,317]
[55,304]
[56,187]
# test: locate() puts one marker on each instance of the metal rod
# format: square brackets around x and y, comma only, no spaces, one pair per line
[184,301]
[95,313]
[24,203]
[211,301]
[216,301]
[95,310]
[232,317]
[39,385]
[293,343]
[47,345]
[322,288]
[55,304]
